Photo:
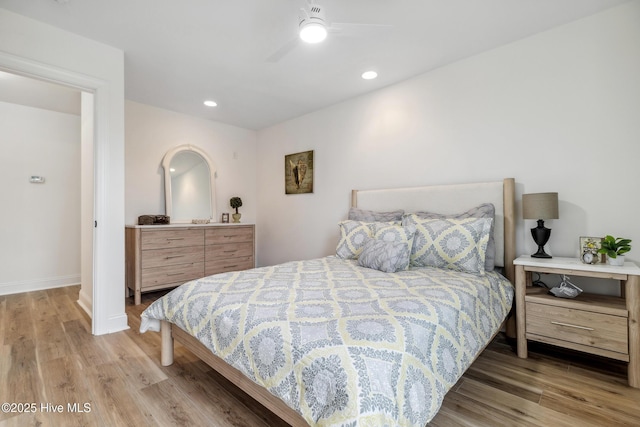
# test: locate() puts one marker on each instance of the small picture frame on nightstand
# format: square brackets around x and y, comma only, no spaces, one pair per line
[225,218]
[589,247]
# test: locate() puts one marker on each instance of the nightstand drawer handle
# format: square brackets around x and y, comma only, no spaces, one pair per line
[572,326]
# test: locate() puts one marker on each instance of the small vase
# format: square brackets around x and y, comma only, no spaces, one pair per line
[236,217]
[617,261]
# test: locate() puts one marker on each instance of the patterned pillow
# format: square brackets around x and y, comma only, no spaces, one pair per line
[456,244]
[485,210]
[356,214]
[387,256]
[353,236]
[394,233]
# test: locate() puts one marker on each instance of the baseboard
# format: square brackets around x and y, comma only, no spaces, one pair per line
[114,324]
[8,288]
[86,303]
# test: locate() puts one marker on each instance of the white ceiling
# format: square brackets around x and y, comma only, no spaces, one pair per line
[179,53]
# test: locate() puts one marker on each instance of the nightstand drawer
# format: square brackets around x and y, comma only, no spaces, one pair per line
[582,327]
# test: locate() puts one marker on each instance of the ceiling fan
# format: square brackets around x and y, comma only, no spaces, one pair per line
[314,28]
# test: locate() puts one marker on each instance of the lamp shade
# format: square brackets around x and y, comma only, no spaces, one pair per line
[540,206]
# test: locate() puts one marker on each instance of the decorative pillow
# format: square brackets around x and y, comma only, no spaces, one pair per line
[385,256]
[457,244]
[394,233]
[356,214]
[485,210]
[353,236]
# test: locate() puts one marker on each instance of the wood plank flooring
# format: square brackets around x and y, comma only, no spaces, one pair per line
[49,357]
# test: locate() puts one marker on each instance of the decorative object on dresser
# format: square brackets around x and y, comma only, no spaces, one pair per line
[590,250]
[603,325]
[235,203]
[160,257]
[298,173]
[225,218]
[153,219]
[540,206]
[615,248]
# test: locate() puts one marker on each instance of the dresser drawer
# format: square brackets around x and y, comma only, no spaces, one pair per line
[163,239]
[229,250]
[583,327]
[172,256]
[226,234]
[226,265]
[180,273]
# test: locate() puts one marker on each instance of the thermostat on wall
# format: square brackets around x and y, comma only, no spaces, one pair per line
[36,179]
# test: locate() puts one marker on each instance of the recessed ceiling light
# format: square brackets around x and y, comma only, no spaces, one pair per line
[368,75]
[172,169]
[210,103]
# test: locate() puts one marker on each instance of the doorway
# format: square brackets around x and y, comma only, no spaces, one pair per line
[48,178]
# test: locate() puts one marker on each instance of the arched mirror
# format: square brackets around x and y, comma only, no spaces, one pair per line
[189,185]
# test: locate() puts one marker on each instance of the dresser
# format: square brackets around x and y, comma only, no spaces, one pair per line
[598,324]
[166,256]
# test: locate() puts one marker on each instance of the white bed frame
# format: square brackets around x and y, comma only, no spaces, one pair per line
[448,199]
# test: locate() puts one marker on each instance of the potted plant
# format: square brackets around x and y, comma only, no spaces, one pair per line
[235,203]
[615,248]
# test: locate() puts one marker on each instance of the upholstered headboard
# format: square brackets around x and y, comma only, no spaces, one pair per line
[453,199]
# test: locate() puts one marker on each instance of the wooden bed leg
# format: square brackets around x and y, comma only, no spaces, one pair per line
[521,283]
[166,353]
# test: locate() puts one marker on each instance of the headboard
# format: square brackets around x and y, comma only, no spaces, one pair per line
[453,199]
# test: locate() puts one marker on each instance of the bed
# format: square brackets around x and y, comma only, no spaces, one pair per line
[337,342]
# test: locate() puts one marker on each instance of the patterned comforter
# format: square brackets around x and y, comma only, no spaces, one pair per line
[343,345]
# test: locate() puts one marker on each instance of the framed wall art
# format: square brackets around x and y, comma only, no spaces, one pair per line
[589,247]
[298,173]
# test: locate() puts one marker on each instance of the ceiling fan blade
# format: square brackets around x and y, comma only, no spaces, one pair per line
[356,29]
[285,49]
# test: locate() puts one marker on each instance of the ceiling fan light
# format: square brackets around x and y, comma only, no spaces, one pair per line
[313,32]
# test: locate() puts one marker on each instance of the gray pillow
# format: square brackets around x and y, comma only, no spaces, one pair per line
[385,256]
[356,214]
[485,210]
[353,235]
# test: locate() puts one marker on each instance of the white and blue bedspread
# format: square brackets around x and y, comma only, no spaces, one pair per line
[344,345]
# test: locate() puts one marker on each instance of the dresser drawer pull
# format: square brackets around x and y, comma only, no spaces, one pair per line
[174,256]
[175,238]
[230,266]
[230,252]
[572,326]
[175,274]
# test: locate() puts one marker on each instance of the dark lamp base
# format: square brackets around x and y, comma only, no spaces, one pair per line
[541,253]
[541,236]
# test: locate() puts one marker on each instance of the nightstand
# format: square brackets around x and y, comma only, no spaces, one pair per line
[597,324]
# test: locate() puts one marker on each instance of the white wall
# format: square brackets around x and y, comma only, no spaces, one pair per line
[40,234]
[151,132]
[36,49]
[558,111]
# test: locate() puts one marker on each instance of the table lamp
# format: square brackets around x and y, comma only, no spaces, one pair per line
[540,206]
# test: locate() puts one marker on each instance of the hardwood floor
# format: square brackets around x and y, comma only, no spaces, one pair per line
[48,357]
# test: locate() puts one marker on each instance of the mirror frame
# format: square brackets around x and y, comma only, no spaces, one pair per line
[166,162]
